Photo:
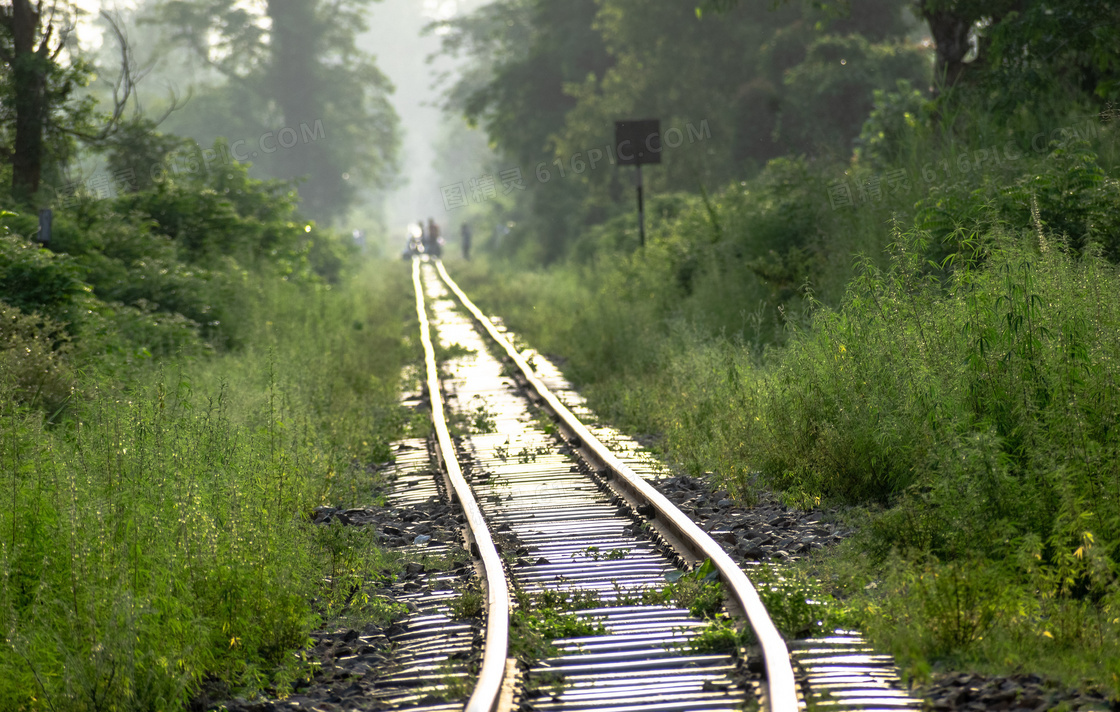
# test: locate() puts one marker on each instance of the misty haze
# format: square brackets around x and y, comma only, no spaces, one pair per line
[566,355]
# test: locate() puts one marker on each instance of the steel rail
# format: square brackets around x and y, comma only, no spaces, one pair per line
[780,686]
[488,689]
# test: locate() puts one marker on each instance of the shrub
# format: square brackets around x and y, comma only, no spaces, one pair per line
[34,369]
[33,279]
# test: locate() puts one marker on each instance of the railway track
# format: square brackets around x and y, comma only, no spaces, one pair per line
[575,515]
[574,551]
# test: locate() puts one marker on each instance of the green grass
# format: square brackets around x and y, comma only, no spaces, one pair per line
[538,620]
[159,533]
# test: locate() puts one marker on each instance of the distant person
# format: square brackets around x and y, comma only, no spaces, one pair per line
[434,243]
[415,245]
[465,231]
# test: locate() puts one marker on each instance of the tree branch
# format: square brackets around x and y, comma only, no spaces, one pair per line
[123,88]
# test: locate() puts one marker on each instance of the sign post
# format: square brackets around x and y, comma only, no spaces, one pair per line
[637,142]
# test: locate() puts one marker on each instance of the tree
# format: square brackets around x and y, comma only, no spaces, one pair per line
[550,77]
[526,54]
[1023,42]
[828,96]
[35,85]
[43,114]
[294,65]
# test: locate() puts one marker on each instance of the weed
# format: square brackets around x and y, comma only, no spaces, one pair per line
[958,383]
[593,552]
[454,684]
[719,635]
[481,419]
[545,617]
[699,590]
[468,604]
[544,680]
[529,454]
[502,451]
[561,599]
[533,632]
[796,604]
[451,352]
[155,533]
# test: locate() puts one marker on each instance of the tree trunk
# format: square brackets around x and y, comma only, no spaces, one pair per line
[950,33]
[296,35]
[30,66]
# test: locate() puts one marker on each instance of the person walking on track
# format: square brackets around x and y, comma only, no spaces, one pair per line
[465,231]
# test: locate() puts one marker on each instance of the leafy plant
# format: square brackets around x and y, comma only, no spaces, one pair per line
[719,635]
[540,620]
[481,419]
[468,604]
[698,590]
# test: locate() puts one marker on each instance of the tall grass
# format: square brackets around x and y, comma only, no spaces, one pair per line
[160,536]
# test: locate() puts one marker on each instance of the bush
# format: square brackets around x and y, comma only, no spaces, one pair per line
[33,279]
[34,369]
[1066,192]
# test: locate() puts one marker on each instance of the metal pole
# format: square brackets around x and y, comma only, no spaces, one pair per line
[641,208]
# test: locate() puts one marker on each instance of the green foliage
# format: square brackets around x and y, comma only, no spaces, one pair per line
[719,636]
[524,55]
[797,606]
[347,555]
[548,79]
[1061,48]
[896,119]
[297,63]
[43,95]
[481,417]
[468,604]
[137,149]
[569,600]
[166,268]
[539,620]
[1068,194]
[698,590]
[35,279]
[959,385]
[988,363]
[533,633]
[159,535]
[976,612]
[140,610]
[34,370]
[830,93]
[530,50]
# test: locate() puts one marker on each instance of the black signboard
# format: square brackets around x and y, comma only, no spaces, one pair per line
[637,141]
